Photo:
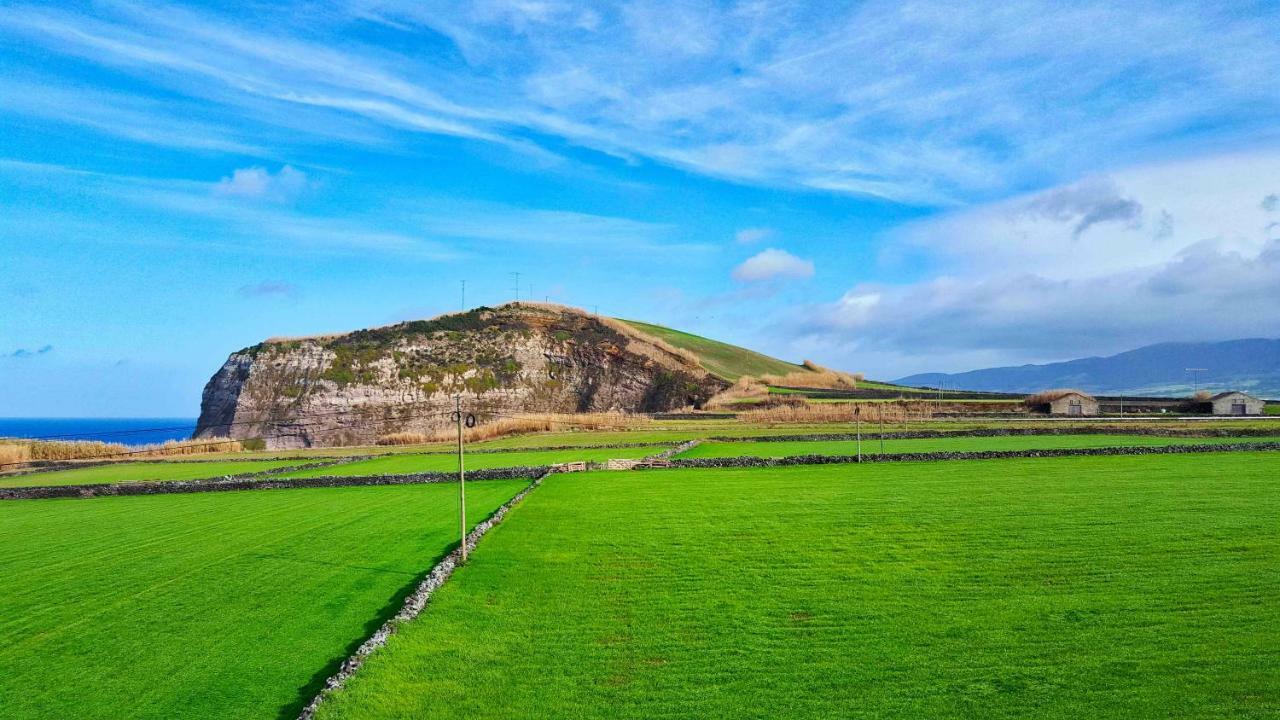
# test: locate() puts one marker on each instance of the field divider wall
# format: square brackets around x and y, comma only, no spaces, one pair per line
[259,481]
[417,601]
[43,466]
[673,451]
[867,457]
[872,434]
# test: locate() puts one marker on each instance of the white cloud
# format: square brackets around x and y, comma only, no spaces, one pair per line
[752,235]
[258,183]
[1179,251]
[773,264]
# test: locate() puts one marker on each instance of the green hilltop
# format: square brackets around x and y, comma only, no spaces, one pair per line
[723,360]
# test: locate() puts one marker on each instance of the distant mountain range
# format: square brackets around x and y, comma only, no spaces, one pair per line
[1157,370]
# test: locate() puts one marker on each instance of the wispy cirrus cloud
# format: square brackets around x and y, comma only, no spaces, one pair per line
[752,235]
[267,289]
[903,101]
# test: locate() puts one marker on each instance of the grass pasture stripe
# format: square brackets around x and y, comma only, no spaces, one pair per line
[416,602]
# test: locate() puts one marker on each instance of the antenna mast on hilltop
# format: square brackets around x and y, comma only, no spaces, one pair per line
[516,285]
[1195,378]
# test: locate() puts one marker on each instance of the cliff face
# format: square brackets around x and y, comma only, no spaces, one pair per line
[355,387]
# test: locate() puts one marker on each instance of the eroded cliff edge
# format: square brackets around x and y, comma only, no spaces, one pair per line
[517,358]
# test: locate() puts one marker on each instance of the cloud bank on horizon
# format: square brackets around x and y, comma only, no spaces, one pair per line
[921,187]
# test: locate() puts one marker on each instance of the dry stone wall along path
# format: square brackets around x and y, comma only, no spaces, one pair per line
[416,602]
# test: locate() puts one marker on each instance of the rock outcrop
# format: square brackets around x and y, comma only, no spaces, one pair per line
[517,358]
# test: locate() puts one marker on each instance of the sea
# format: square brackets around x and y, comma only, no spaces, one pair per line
[127,431]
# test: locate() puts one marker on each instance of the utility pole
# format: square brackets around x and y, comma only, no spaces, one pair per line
[857,418]
[516,275]
[464,296]
[462,480]
[882,428]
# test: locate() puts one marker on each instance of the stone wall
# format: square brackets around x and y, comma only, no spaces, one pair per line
[747,461]
[257,481]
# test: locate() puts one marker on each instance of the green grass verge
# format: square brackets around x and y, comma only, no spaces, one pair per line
[214,605]
[957,444]
[1115,587]
[722,359]
[139,472]
[405,464]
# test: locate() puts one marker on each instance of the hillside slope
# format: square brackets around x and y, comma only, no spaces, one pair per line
[723,360]
[517,358]
[1251,365]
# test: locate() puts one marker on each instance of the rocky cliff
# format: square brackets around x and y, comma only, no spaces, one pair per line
[518,358]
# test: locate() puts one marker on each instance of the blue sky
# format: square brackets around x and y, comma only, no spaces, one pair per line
[884,187]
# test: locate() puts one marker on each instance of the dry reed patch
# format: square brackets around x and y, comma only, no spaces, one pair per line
[893,412]
[746,389]
[816,376]
[1044,397]
[519,425]
[17,450]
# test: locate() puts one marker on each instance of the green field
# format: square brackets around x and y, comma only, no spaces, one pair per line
[721,359]
[1114,587]
[139,472]
[213,605]
[777,449]
[444,462]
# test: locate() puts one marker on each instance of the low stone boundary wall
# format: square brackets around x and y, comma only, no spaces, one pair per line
[257,481]
[537,448]
[872,434]
[751,461]
[674,451]
[416,602]
[42,466]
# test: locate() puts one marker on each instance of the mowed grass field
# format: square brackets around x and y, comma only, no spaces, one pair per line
[139,472]
[401,464]
[212,605]
[1084,587]
[777,449]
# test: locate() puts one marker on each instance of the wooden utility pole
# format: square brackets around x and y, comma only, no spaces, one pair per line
[462,481]
[882,428]
[857,417]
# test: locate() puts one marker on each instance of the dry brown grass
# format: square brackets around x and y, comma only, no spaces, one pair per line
[892,412]
[21,451]
[519,425]
[1044,397]
[816,377]
[746,389]
[11,454]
